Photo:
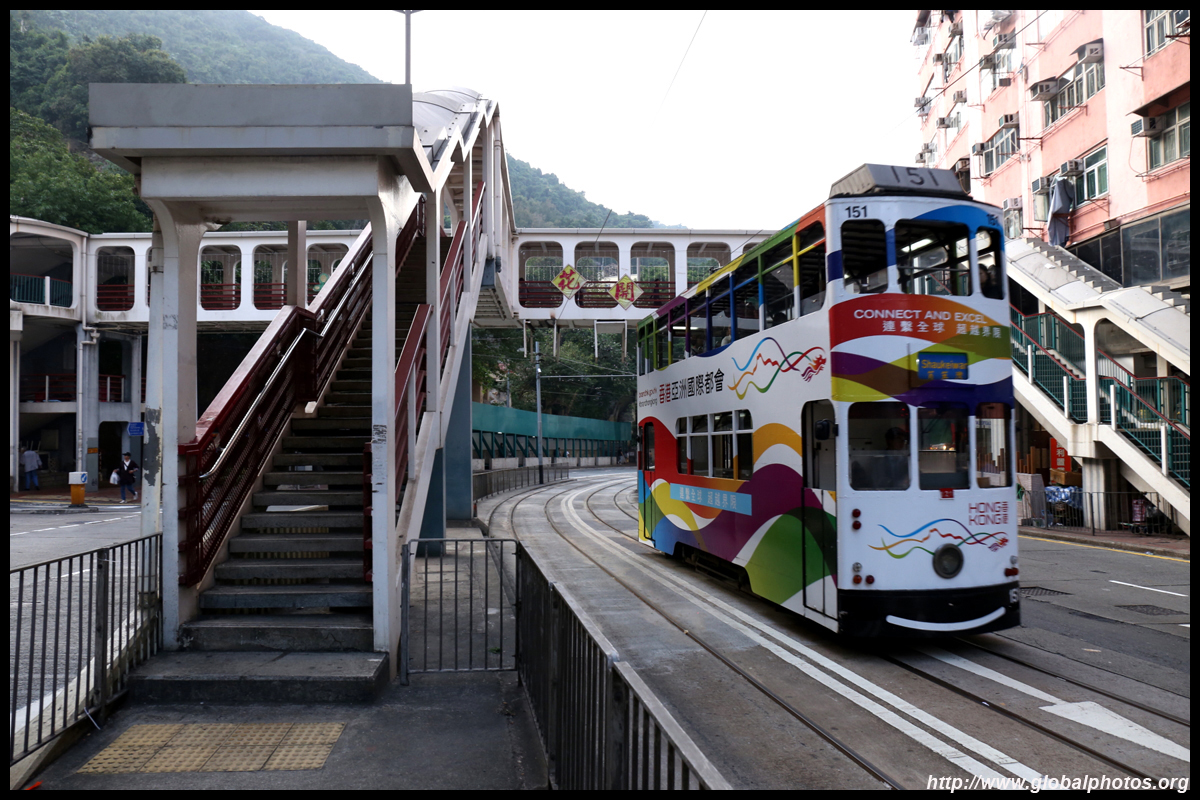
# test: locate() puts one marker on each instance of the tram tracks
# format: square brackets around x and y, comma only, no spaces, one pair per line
[797,653]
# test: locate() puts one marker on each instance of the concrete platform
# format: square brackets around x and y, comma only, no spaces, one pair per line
[464,731]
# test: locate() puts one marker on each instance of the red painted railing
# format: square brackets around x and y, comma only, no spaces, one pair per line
[655,294]
[269,295]
[220,296]
[538,294]
[114,297]
[48,388]
[112,388]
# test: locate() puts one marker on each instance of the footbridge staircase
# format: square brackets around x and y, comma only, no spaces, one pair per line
[1076,370]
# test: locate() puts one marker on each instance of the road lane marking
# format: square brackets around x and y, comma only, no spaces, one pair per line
[1147,588]
[1086,713]
[694,595]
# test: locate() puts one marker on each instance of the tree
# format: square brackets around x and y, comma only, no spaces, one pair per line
[136,58]
[48,182]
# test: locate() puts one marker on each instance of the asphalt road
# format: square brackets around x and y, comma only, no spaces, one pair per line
[34,538]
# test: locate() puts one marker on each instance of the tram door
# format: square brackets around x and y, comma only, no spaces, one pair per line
[820,506]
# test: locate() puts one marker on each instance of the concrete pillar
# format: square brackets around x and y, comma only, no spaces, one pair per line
[296,288]
[624,257]
[140,276]
[14,398]
[171,411]
[485,206]
[385,228]
[1092,378]
[87,405]
[134,373]
[246,256]
[433,523]
[469,240]
[458,444]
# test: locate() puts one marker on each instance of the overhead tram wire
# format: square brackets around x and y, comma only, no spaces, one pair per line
[685,55]
[964,74]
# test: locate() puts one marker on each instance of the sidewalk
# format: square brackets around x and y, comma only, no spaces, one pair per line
[57,500]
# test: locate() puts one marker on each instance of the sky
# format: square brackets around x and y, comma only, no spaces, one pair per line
[766,111]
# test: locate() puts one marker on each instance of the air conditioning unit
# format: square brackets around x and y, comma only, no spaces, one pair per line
[1043,90]
[1071,168]
[1002,82]
[1004,41]
[1091,52]
[956,28]
[920,101]
[945,122]
[939,58]
[920,39]
[1008,121]
[1011,203]
[962,165]
[960,96]
[927,147]
[991,19]
[977,149]
[1042,185]
[920,159]
[987,62]
[1146,126]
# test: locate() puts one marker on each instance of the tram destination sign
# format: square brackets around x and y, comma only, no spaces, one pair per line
[946,366]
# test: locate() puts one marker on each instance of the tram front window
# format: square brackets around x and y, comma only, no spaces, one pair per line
[932,258]
[944,458]
[879,446]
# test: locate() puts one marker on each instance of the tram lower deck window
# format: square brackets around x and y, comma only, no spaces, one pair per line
[993,455]
[944,458]
[879,446]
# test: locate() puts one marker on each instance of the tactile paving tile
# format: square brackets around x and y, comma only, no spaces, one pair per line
[189,758]
[299,756]
[314,733]
[258,733]
[239,758]
[209,733]
[114,759]
[147,736]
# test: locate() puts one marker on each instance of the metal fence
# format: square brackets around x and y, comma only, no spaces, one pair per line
[1070,508]
[486,604]
[601,725]
[458,606]
[78,627]
[502,480]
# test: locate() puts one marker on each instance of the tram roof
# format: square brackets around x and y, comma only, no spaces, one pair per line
[885,179]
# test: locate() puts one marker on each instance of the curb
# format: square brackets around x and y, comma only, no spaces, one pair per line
[1128,547]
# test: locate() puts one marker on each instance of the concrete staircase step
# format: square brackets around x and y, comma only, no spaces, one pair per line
[345,412]
[342,460]
[314,478]
[248,569]
[281,632]
[297,543]
[309,595]
[334,424]
[315,497]
[348,399]
[262,520]
[262,677]
[352,386]
[342,444]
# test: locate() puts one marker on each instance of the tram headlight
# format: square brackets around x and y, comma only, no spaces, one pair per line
[947,561]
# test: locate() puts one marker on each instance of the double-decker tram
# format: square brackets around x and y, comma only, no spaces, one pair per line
[829,416]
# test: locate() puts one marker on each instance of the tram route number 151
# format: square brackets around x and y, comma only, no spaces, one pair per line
[856,212]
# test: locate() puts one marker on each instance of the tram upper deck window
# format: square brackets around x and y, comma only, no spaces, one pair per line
[991,270]
[660,343]
[993,464]
[678,333]
[944,457]
[879,446]
[933,258]
[746,300]
[698,324]
[779,296]
[864,256]
[812,278]
[720,329]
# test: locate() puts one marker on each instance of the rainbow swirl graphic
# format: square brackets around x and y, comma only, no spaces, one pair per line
[989,540]
[806,363]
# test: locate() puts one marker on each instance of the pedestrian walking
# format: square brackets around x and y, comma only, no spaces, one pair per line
[32,462]
[127,472]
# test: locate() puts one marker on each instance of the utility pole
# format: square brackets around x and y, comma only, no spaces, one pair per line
[537,365]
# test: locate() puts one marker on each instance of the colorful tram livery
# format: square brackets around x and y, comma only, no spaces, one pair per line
[831,414]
